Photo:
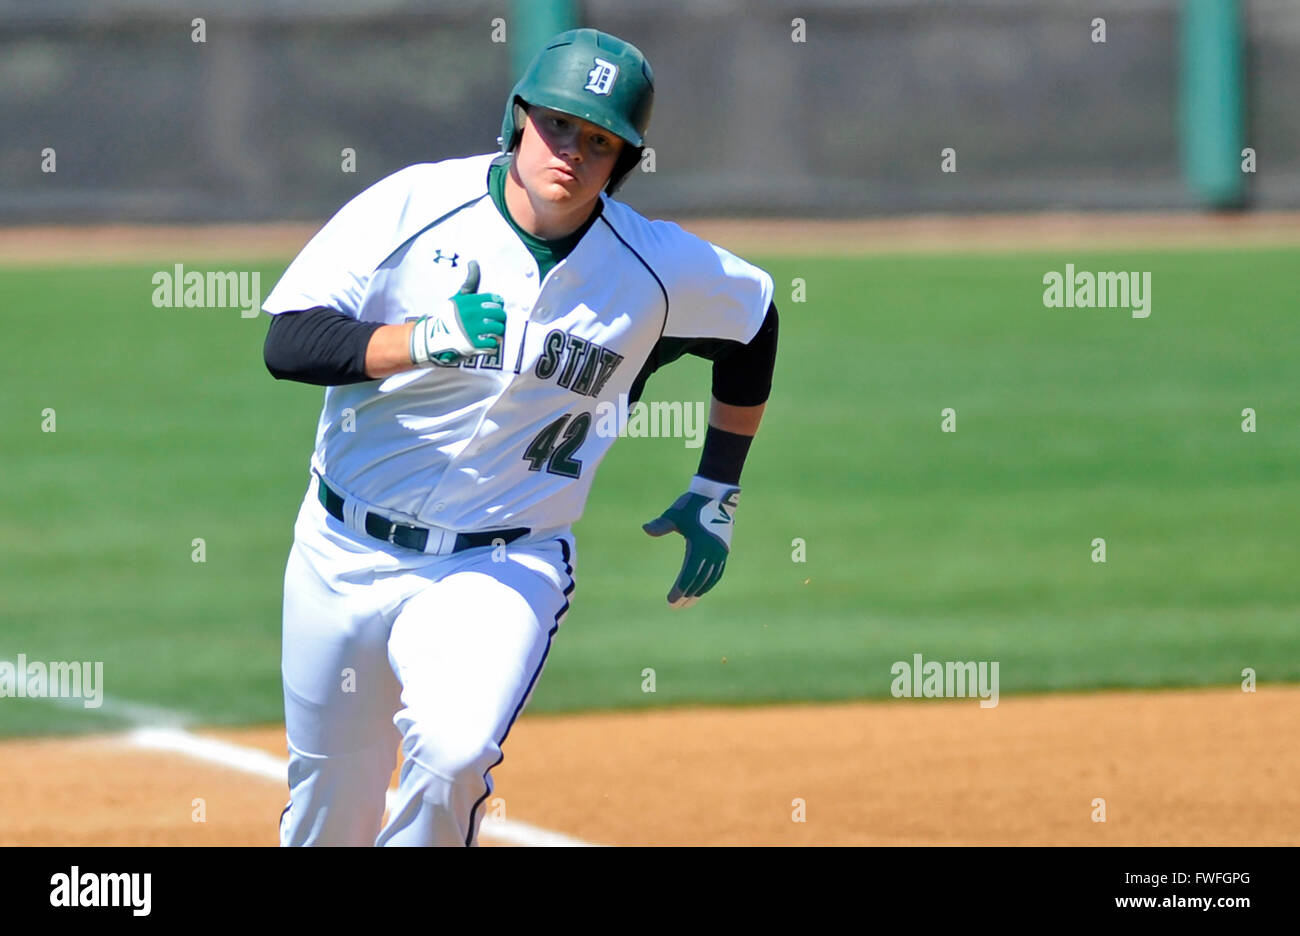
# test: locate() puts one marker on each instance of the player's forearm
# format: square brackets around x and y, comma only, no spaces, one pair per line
[727,441]
[389,351]
[327,348]
[742,420]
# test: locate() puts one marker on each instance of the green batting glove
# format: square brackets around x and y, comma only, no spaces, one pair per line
[470,323]
[704,516]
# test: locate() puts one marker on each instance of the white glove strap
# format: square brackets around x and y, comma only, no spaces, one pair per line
[437,333]
[419,347]
[713,490]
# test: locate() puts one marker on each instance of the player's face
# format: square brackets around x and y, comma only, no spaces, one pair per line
[565,160]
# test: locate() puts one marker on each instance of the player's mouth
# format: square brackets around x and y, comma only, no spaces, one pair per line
[564,173]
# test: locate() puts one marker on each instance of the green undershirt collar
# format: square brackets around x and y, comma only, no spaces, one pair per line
[547,253]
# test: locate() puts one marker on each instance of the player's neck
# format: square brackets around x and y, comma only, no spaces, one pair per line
[541,218]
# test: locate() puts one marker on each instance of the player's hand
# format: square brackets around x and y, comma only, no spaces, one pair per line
[705,517]
[470,323]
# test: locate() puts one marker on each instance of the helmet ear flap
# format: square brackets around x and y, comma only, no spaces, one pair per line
[627,161]
[513,127]
[521,114]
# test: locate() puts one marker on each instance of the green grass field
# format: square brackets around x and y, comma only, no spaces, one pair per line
[975,545]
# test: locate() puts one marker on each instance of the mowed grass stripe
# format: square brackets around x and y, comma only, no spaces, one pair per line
[1072,424]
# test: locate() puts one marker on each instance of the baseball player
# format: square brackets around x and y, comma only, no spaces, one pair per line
[468,317]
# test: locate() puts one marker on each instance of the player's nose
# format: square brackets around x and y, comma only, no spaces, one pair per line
[571,149]
[573,144]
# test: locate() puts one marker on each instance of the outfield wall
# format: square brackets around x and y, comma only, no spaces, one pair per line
[148,125]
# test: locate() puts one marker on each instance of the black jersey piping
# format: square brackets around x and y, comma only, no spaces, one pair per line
[430,226]
[649,269]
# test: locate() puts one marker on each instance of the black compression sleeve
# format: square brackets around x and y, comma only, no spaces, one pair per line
[723,456]
[742,376]
[318,346]
[745,381]
[742,373]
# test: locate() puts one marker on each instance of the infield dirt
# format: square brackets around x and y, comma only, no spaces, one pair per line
[1190,767]
[218,243]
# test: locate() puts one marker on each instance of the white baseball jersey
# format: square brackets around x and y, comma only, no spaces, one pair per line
[506,440]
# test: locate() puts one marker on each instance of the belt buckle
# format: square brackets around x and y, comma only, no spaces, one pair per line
[392,533]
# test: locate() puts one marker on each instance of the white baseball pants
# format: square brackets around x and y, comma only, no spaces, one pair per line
[384,644]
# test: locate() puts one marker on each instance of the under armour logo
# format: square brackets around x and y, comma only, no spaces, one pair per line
[600,80]
[441,257]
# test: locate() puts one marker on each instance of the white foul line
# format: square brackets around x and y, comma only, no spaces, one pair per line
[161,729]
[234,756]
[260,763]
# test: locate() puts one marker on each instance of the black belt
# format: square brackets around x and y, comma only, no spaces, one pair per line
[413,537]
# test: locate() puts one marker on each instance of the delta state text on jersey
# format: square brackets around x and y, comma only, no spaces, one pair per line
[502,440]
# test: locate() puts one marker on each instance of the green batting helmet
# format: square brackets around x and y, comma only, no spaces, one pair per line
[594,76]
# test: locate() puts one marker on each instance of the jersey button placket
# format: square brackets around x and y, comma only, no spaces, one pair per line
[544,311]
